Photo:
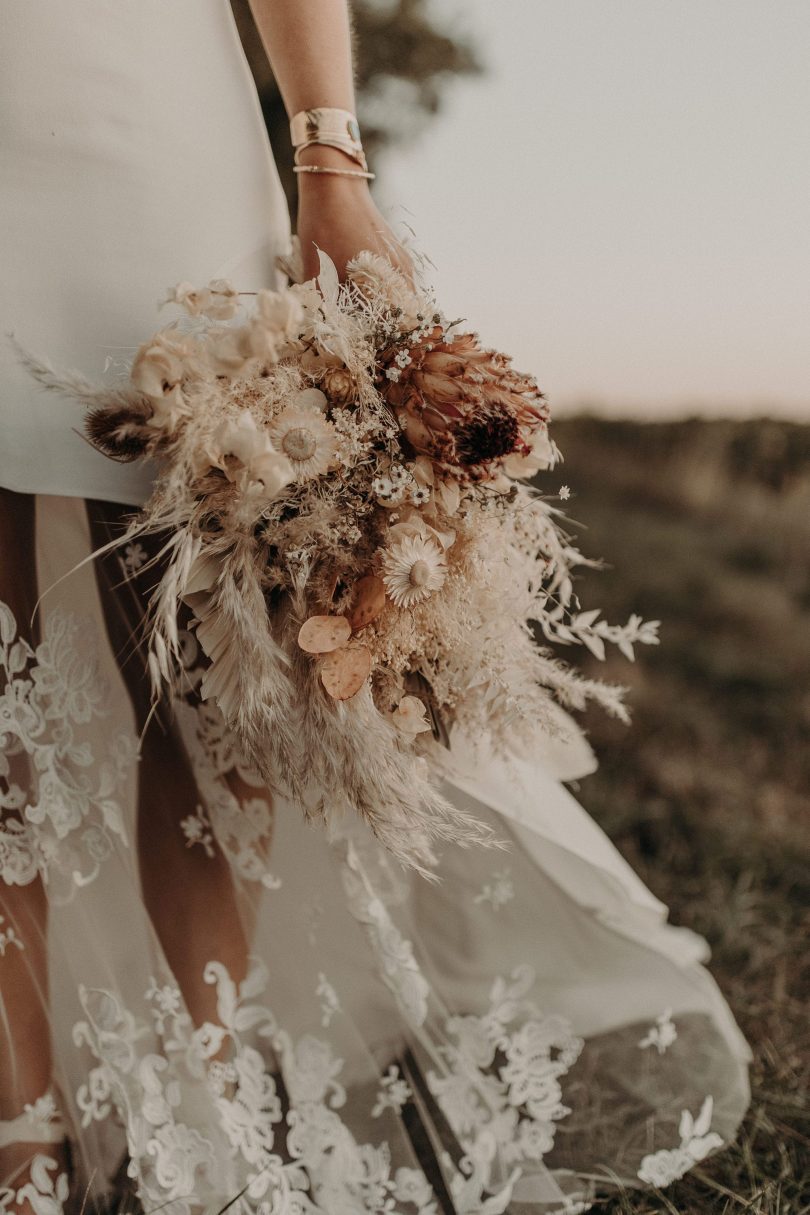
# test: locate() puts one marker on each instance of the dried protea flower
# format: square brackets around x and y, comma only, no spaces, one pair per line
[339,385]
[464,406]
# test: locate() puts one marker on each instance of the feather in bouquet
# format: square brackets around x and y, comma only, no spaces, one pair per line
[342,505]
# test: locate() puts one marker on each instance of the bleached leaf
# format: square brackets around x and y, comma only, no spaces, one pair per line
[595,644]
[585,620]
[328,279]
[626,648]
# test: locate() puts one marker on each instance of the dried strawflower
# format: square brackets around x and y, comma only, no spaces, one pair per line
[308,441]
[413,568]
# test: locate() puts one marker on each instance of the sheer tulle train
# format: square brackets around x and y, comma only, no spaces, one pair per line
[204,1000]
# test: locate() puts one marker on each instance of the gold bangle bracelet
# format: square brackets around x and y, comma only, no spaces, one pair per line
[334,172]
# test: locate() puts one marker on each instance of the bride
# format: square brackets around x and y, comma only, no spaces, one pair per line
[203,1001]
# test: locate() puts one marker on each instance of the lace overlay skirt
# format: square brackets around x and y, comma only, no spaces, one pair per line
[206,1001]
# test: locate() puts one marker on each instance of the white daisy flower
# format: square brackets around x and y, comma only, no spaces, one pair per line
[307,439]
[387,491]
[412,569]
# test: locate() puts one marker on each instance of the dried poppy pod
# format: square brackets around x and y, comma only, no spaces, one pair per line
[465,406]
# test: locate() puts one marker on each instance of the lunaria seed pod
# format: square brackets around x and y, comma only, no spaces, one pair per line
[322,634]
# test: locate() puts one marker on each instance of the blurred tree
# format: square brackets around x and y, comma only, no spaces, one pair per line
[403,58]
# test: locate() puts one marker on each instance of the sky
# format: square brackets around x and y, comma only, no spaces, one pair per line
[623,200]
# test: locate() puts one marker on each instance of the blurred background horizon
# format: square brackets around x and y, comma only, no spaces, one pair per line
[620,199]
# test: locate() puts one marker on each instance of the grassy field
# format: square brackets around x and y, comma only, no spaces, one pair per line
[706,526]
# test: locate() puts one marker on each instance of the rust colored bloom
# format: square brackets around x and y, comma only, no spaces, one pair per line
[464,406]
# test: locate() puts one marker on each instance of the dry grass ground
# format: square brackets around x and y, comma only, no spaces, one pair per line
[707,527]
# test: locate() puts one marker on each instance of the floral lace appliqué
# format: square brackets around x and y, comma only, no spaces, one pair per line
[662,1034]
[697,1140]
[66,811]
[504,1072]
[394,1093]
[330,1003]
[498,892]
[300,1159]
[8,937]
[45,1192]
[241,826]
[399,969]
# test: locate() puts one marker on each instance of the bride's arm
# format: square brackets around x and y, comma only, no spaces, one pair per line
[309,46]
[308,43]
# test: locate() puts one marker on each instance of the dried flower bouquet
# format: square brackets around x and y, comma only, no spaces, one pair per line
[342,506]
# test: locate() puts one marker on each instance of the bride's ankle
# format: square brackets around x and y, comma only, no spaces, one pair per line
[34,1177]
[34,1158]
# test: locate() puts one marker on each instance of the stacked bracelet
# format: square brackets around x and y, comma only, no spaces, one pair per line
[330,128]
[334,172]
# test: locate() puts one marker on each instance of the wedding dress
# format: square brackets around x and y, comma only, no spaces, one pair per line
[209,1001]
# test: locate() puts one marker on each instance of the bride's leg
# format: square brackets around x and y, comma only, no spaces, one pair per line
[25,1041]
[188,891]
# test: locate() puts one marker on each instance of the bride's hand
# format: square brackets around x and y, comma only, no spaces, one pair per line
[339,216]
